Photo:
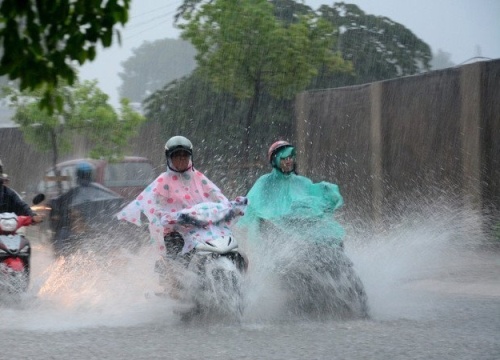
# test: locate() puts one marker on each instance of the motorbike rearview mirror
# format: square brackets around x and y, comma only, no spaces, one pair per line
[38,199]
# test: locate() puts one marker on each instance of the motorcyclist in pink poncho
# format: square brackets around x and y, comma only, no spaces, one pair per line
[179,189]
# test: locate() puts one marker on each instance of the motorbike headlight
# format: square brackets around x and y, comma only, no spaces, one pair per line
[25,249]
[9,224]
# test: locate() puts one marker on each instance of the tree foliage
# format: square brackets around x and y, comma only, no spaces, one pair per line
[86,113]
[243,49]
[42,40]
[210,110]
[153,65]
[378,47]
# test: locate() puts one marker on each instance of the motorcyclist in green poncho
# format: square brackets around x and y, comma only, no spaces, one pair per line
[294,244]
[292,204]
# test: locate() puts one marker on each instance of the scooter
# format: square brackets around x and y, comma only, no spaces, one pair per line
[206,279]
[15,252]
[315,273]
[322,282]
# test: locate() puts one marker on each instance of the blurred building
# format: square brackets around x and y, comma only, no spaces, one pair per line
[6,114]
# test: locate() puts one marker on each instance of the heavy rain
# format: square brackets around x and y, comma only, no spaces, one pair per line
[407,125]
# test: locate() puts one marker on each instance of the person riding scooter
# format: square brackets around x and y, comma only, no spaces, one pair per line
[284,200]
[11,202]
[82,211]
[168,203]
[180,187]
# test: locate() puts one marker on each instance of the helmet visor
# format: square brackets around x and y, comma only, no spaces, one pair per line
[283,154]
[177,150]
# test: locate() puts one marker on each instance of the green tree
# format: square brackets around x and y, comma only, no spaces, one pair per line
[245,50]
[378,47]
[289,10]
[214,117]
[154,64]
[86,113]
[42,40]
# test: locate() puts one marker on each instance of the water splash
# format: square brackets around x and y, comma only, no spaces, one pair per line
[291,277]
[427,242]
[406,270]
[431,241]
[86,290]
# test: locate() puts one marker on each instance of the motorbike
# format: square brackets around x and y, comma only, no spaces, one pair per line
[317,276]
[81,217]
[15,252]
[206,275]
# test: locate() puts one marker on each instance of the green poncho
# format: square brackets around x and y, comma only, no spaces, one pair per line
[293,203]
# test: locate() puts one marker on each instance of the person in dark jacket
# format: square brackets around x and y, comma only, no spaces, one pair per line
[11,202]
[83,211]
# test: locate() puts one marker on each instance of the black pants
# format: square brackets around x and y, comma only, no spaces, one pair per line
[174,242]
[173,245]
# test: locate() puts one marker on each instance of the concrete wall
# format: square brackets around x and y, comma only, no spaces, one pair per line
[390,143]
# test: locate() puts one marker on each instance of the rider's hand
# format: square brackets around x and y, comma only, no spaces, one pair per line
[37,219]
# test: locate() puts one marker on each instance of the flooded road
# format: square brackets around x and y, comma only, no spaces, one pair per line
[430,295]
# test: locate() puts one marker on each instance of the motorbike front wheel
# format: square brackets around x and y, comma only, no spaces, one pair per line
[214,285]
[325,284]
[15,282]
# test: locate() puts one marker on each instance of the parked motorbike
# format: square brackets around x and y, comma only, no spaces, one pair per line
[15,252]
[207,276]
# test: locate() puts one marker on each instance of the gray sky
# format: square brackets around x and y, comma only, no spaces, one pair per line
[463,28]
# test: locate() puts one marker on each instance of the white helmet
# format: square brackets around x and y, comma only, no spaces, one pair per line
[178,143]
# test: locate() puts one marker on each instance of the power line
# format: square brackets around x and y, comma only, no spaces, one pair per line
[148,22]
[143,31]
[156,10]
[131,27]
[151,11]
[153,26]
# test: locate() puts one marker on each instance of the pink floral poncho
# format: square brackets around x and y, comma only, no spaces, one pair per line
[168,195]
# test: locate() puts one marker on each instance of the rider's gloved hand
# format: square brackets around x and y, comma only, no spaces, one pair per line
[37,218]
[239,206]
[241,200]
